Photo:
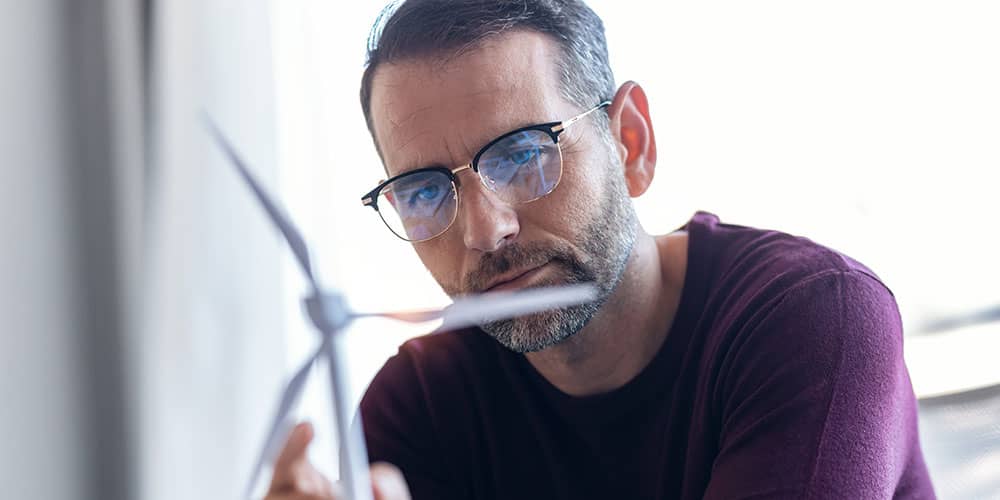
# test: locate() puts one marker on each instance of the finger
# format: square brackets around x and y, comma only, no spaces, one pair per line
[388,482]
[292,455]
[295,447]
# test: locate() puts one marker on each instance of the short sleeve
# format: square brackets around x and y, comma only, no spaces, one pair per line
[814,397]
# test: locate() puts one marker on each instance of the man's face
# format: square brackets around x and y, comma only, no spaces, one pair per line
[441,112]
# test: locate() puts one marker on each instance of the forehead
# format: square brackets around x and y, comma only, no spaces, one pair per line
[435,111]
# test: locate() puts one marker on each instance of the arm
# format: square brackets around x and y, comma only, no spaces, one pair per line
[815,400]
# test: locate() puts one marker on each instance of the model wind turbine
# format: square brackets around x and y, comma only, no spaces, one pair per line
[329,312]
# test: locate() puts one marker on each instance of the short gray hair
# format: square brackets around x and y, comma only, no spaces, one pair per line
[426,28]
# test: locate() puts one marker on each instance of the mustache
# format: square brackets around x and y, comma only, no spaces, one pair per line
[518,256]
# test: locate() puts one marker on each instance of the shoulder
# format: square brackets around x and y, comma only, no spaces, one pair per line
[768,298]
[753,269]
[831,312]
[818,367]
[815,328]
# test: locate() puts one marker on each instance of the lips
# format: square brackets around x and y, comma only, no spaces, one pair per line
[513,280]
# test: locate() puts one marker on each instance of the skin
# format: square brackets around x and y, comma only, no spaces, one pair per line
[440,112]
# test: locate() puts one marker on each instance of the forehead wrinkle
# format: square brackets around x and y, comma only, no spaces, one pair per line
[400,122]
[416,155]
[400,148]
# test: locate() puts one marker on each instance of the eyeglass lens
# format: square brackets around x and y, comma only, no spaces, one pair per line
[419,206]
[519,167]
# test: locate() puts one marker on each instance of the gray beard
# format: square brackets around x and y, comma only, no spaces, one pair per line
[607,244]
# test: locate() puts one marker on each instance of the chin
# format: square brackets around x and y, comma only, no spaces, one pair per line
[539,331]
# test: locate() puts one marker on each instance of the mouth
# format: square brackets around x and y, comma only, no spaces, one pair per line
[515,280]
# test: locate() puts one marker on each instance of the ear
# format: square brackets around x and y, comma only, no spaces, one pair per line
[632,130]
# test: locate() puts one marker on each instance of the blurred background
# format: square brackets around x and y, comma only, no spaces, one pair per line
[149,315]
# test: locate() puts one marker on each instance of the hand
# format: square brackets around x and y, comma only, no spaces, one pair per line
[296,479]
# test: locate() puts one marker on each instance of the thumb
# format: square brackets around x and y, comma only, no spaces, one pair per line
[388,482]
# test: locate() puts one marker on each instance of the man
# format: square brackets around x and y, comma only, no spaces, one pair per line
[719,361]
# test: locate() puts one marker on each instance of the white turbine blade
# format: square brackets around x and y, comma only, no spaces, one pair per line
[281,425]
[476,309]
[495,306]
[288,230]
[419,316]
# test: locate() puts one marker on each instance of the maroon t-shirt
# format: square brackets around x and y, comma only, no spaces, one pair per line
[782,376]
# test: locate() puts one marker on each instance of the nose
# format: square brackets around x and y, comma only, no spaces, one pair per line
[487,222]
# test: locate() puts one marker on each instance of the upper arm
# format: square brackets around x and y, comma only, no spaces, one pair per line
[814,399]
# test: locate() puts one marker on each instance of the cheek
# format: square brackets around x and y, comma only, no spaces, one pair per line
[579,193]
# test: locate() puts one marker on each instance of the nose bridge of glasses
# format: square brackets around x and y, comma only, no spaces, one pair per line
[481,191]
[468,166]
[456,170]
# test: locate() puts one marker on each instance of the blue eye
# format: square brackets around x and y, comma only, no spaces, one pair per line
[522,156]
[425,194]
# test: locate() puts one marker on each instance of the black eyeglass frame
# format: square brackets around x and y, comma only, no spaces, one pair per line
[553,129]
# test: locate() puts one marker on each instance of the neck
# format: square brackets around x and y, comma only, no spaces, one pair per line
[628,331]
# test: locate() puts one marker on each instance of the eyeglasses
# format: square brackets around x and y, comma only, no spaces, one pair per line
[520,166]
